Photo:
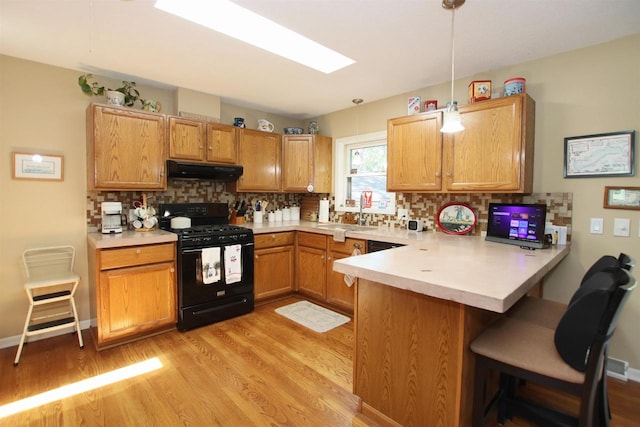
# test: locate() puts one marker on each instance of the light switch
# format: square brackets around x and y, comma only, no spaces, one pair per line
[597,226]
[621,227]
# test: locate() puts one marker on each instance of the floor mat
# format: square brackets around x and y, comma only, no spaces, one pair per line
[312,316]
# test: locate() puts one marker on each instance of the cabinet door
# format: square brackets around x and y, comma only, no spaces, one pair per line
[125,149]
[259,154]
[186,139]
[135,300]
[414,153]
[273,269]
[322,172]
[489,154]
[221,143]
[297,162]
[312,267]
[338,293]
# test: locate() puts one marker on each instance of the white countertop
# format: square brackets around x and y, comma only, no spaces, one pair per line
[465,269]
[130,238]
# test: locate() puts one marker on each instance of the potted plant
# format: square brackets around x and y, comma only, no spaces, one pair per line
[127,94]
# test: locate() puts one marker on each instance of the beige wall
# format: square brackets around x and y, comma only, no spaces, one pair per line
[582,92]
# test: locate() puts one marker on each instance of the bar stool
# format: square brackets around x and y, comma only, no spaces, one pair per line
[569,358]
[50,281]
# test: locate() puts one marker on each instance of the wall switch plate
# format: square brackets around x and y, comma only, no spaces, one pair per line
[621,227]
[403,214]
[597,226]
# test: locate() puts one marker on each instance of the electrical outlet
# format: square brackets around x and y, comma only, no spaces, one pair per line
[403,214]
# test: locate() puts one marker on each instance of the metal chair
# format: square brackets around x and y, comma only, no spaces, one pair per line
[569,358]
[50,281]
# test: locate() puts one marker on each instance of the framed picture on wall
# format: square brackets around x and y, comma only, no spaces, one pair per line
[605,154]
[622,198]
[38,166]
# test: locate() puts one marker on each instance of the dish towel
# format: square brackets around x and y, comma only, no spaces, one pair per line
[339,234]
[349,279]
[232,264]
[210,265]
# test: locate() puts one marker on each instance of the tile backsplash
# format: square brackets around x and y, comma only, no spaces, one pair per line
[421,205]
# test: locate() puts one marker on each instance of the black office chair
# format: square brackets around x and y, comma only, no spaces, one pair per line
[569,358]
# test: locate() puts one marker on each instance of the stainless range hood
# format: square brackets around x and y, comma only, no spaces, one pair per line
[226,173]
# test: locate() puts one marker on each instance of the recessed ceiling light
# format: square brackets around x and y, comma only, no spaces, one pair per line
[242,24]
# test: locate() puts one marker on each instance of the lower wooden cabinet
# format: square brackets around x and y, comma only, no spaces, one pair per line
[316,278]
[134,292]
[274,264]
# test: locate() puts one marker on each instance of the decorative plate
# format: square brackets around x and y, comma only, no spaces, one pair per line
[456,218]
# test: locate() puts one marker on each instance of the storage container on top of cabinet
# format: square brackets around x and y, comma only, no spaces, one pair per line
[493,154]
[125,149]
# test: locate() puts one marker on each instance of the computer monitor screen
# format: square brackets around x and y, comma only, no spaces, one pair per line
[517,224]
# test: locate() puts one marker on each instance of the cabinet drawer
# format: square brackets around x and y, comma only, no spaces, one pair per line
[271,240]
[312,240]
[136,255]
[347,246]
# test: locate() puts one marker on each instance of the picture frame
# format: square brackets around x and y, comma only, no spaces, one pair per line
[621,198]
[33,166]
[456,218]
[602,155]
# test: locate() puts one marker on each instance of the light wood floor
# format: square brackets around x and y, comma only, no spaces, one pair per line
[255,370]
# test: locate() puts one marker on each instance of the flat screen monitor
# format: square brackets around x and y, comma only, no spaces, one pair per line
[517,224]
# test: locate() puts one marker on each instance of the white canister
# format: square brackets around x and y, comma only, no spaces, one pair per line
[257,217]
[286,214]
[278,215]
[295,213]
[272,217]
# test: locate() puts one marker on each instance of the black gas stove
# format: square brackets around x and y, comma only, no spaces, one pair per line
[210,244]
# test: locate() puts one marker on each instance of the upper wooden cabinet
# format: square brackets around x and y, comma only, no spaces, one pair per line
[493,154]
[201,141]
[414,153]
[125,149]
[306,163]
[259,153]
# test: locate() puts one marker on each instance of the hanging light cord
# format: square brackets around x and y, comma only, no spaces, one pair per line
[453,12]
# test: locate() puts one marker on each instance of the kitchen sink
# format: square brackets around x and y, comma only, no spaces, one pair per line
[347,227]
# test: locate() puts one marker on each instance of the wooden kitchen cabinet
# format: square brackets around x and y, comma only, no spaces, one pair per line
[312,265]
[316,278]
[259,153]
[125,149]
[134,292]
[274,264]
[495,151]
[414,153]
[199,141]
[493,154]
[306,163]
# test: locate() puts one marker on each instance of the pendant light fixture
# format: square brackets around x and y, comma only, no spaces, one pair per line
[451,120]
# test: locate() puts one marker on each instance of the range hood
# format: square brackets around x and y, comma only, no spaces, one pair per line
[226,173]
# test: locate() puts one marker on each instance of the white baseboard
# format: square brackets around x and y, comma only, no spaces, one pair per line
[15,340]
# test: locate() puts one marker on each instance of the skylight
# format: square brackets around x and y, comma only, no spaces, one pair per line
[242,24]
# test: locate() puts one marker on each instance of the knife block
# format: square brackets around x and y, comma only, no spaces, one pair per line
[237,220]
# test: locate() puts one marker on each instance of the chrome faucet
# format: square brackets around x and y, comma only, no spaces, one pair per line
[360,218]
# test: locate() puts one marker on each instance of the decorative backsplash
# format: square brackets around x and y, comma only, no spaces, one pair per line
[421,205]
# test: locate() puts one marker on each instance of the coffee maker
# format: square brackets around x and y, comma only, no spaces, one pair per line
[112,218]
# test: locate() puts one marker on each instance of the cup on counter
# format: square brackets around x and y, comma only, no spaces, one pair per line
[137,223]
[141,212]
[150,222]
[257,217]
[239,122]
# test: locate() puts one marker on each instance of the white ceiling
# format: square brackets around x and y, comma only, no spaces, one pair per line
[399,45]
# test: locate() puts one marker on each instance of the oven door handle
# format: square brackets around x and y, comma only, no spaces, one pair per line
[192,251]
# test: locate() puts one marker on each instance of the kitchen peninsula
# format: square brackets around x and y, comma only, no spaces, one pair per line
[417,309]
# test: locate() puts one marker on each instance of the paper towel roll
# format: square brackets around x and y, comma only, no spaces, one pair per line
[323,215]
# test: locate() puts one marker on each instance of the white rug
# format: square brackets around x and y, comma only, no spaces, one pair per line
[312,316]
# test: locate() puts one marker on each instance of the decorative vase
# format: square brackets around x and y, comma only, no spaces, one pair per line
[115,98]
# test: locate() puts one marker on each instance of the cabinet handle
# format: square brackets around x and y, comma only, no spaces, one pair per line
[210,148]
[256,256]
[437,174]
[449,174]
[173,270]
[138,251]
[328,258]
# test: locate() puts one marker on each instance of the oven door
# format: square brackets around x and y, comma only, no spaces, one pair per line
[191,286]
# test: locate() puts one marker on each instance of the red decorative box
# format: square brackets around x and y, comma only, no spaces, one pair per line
[479,90]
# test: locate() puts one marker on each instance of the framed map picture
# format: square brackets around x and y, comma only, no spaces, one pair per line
[606,154]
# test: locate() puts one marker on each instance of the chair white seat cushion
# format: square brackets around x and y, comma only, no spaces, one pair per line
[525,345]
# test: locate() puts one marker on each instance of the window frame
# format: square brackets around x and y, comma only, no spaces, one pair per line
[340,154]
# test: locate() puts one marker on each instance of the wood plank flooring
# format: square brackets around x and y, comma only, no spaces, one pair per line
[259,369]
